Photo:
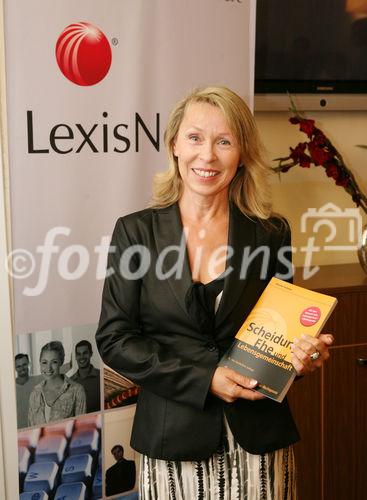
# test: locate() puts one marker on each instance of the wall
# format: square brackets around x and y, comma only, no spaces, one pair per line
[8,424]
[300,189]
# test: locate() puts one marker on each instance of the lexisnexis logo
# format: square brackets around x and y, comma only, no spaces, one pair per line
[83,54]
[84,57]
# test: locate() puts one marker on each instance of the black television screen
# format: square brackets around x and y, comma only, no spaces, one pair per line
[316,47]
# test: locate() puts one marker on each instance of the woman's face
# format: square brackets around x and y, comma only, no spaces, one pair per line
[207,151]
[50,364]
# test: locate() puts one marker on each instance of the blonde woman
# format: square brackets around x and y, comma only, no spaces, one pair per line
[56,397]
[184,278]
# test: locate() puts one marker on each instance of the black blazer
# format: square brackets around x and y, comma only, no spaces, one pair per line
[146,334]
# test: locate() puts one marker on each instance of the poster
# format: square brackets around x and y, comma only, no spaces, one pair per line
[89,89]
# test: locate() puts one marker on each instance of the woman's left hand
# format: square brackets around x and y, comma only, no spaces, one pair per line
[302,349]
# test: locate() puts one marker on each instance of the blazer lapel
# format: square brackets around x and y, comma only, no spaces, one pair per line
[171,244]
[242,235]
[171,248]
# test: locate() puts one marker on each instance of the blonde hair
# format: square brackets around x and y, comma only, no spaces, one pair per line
[249,189]
[54,346]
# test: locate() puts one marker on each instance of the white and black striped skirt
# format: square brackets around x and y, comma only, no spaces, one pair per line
[229,474]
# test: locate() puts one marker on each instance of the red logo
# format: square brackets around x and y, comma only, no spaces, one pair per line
[83,54]
[310,316]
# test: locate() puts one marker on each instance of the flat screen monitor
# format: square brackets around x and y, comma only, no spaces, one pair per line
[316,50]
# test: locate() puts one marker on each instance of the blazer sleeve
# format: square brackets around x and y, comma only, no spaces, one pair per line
[124,347]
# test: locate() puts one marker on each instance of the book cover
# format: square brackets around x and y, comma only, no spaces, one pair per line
[261,349]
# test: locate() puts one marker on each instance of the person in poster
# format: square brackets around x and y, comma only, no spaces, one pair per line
[25,384]
[121,476]
[56,397]
[87,375]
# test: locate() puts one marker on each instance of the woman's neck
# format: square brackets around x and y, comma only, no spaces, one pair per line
[201,210]
[55,381]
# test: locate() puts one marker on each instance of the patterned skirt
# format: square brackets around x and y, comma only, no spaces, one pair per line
[229,474]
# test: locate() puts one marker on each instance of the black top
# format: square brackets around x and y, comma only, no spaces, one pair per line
[120,477]
[200,303]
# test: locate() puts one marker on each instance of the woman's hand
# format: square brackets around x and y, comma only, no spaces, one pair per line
[302,349]
[230,385]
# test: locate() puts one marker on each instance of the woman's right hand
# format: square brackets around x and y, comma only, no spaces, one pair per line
[230,385]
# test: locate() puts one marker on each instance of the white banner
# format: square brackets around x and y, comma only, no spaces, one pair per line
[89,88]
[90,85]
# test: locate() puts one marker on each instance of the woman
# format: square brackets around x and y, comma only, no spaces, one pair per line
[56,397]
[178,292]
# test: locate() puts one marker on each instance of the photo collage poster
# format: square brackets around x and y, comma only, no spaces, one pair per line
[63,392]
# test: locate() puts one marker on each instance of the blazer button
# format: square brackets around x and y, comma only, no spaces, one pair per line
[211,346]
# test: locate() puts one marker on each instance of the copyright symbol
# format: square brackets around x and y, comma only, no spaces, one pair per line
[20,264]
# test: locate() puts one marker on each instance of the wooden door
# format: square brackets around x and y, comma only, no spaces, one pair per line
[305,399]
[345,425]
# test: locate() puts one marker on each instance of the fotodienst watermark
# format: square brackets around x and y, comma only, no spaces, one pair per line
[71,262]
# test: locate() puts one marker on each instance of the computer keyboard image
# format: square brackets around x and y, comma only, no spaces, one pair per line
[61,461]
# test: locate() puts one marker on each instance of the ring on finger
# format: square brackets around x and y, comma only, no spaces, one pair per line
[315,355]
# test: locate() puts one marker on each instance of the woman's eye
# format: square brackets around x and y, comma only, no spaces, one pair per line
[194,138]
[224,142]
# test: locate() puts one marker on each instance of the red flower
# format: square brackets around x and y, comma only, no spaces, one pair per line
[318,150]
[319,139]
[294,120]
[343,179]
[307,126]
[300,148]
[319,155]
[298,155]
[332,170]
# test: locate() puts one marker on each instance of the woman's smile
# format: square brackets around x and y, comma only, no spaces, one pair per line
[50,363]
[205,173]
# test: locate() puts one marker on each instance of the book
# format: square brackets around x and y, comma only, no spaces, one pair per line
[118,390]
[262,347]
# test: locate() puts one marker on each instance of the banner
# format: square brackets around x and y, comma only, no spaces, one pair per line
[84,147]
[89,88]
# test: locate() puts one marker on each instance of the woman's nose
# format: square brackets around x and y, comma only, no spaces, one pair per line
[207,151]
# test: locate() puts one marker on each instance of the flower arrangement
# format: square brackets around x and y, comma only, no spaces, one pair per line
[318,150]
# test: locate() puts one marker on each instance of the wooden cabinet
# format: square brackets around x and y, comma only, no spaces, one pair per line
[330,405]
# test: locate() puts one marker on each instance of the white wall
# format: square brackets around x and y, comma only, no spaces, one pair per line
[8,437]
